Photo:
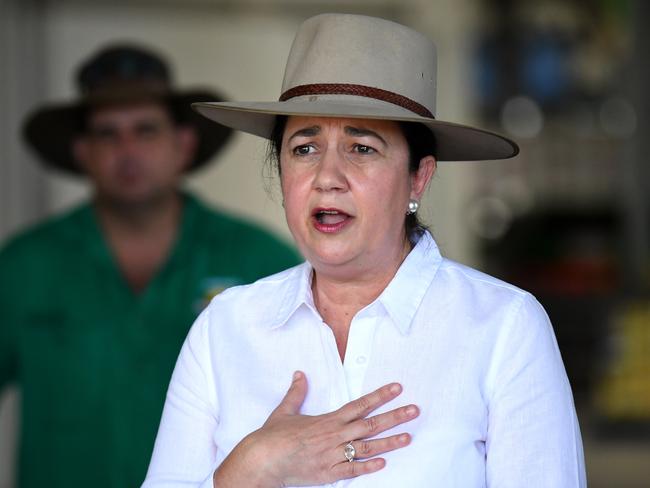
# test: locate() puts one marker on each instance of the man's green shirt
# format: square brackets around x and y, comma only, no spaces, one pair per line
[93,359]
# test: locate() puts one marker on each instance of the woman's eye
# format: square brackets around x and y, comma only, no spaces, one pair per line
[303,150]
[360,148]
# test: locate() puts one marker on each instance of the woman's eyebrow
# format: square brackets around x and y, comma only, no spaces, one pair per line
[360,132]
[306,132]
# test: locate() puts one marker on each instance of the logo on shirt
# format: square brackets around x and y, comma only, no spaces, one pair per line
[210,287]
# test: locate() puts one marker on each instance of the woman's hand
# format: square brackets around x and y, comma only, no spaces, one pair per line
[291,449]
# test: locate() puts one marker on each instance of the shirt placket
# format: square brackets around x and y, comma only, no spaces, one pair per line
[358,353]
[338,392]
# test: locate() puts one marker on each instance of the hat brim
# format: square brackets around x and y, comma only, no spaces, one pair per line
[454,142]
[51,130]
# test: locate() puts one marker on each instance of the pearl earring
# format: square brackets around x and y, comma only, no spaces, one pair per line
[413,207]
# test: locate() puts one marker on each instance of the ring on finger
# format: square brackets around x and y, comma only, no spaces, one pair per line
[349,452]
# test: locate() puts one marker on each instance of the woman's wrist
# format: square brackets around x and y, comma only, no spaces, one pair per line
[245,466]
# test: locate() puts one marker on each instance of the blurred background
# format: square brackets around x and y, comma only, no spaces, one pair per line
[569,219]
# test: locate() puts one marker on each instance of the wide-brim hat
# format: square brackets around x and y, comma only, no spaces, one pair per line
[120,75]
[343,65]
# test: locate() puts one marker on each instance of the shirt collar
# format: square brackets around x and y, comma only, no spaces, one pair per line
[403,295]
[297,293]
[401,298]
[95,243]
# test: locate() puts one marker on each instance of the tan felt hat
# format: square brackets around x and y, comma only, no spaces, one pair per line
[343,65]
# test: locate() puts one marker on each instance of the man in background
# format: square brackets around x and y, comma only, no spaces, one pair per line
[95,303]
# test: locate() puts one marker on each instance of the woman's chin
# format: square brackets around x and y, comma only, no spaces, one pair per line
[325,258]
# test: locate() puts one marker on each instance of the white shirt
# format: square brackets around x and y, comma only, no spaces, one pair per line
[477,355]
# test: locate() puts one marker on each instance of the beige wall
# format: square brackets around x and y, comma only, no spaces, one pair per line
[243,54]
[241,50]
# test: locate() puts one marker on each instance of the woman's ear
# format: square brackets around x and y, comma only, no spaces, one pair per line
[421,178]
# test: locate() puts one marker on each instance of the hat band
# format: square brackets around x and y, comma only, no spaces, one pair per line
[357,90]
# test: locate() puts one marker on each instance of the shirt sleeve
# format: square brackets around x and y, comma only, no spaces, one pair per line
[185,450]
[533,433]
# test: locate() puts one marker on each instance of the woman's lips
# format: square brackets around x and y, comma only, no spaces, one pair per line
[330,220]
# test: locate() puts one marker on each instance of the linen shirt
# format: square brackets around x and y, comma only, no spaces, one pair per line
[477,355]
[92,358]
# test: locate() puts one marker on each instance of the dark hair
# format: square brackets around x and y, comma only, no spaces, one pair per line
[421,143]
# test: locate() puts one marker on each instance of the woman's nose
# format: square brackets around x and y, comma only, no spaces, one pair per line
[330,174]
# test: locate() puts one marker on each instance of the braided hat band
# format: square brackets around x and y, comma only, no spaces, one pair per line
[357,90]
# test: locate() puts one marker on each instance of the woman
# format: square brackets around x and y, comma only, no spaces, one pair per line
[402,368]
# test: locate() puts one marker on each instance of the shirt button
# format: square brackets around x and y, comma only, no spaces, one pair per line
[361,359]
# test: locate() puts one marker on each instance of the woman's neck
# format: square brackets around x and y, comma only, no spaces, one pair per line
[339,299]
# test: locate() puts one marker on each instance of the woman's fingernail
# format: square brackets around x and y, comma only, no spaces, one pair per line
[404,439]
[395,388]
[297,375]
[411,410]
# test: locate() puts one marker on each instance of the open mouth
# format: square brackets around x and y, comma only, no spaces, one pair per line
[330,219]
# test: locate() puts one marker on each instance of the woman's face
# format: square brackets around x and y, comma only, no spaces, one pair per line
[346,187]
